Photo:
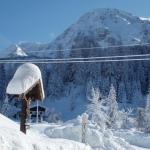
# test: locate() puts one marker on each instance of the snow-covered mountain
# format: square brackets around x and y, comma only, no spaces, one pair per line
[101,27]
[106,27]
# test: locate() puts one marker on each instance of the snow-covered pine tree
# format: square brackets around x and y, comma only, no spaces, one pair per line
[90,91]
[94,107]
[112,106]
[8,109]
[147,114]
[72,97]
[121,92]
[140,119]
[93,95]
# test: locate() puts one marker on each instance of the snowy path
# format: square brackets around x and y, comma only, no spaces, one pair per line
[98,140]
[139,139]
[140,148]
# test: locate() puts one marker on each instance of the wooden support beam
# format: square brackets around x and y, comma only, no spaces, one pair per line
[23,115]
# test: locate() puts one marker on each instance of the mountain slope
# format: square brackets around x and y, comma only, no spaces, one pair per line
[101,27]
[105,26]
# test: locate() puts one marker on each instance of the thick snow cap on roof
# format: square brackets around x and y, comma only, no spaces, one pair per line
[24,78]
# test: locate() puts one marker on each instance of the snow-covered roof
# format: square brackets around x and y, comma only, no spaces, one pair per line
[40,108]
[26,76]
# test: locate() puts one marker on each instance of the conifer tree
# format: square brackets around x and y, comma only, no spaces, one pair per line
[112,106]
[147,114]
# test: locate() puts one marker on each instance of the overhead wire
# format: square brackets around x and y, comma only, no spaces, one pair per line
[78,61]
[78,58]
[85,59]
[87,48]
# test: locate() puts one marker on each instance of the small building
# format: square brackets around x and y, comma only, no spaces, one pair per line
[41,113]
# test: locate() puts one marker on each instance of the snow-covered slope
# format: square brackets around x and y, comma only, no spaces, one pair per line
[20,52]
[143,18]
[66,136]
[12,139]
[134,137]
[100,27]
[105,26]
[14,51]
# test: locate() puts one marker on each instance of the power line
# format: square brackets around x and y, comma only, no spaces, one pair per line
[78,58]
[87,48]
[87,59]
[77,61]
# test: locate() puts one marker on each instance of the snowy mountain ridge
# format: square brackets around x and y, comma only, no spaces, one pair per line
[143,18]
[106,26]
[20,52]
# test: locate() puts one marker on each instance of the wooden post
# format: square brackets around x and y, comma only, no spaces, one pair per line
[37,112]
[23,116]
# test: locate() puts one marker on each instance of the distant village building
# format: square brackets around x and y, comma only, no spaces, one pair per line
[41,113]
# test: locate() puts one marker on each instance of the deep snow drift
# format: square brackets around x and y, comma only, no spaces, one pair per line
[12,139]
[60,137]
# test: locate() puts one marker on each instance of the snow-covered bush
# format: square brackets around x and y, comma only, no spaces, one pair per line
[9,109]
[124,119]
[140,119]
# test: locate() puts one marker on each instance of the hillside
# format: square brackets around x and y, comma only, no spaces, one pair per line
[68,82]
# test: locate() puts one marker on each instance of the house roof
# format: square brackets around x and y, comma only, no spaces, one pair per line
[34,108]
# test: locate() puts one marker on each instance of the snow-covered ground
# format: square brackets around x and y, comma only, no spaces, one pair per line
[134,137]
[12,139]
[67,136]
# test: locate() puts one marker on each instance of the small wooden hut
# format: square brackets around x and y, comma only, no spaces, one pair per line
[41,113]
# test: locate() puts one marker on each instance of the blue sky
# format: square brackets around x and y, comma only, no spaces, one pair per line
[43,20]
